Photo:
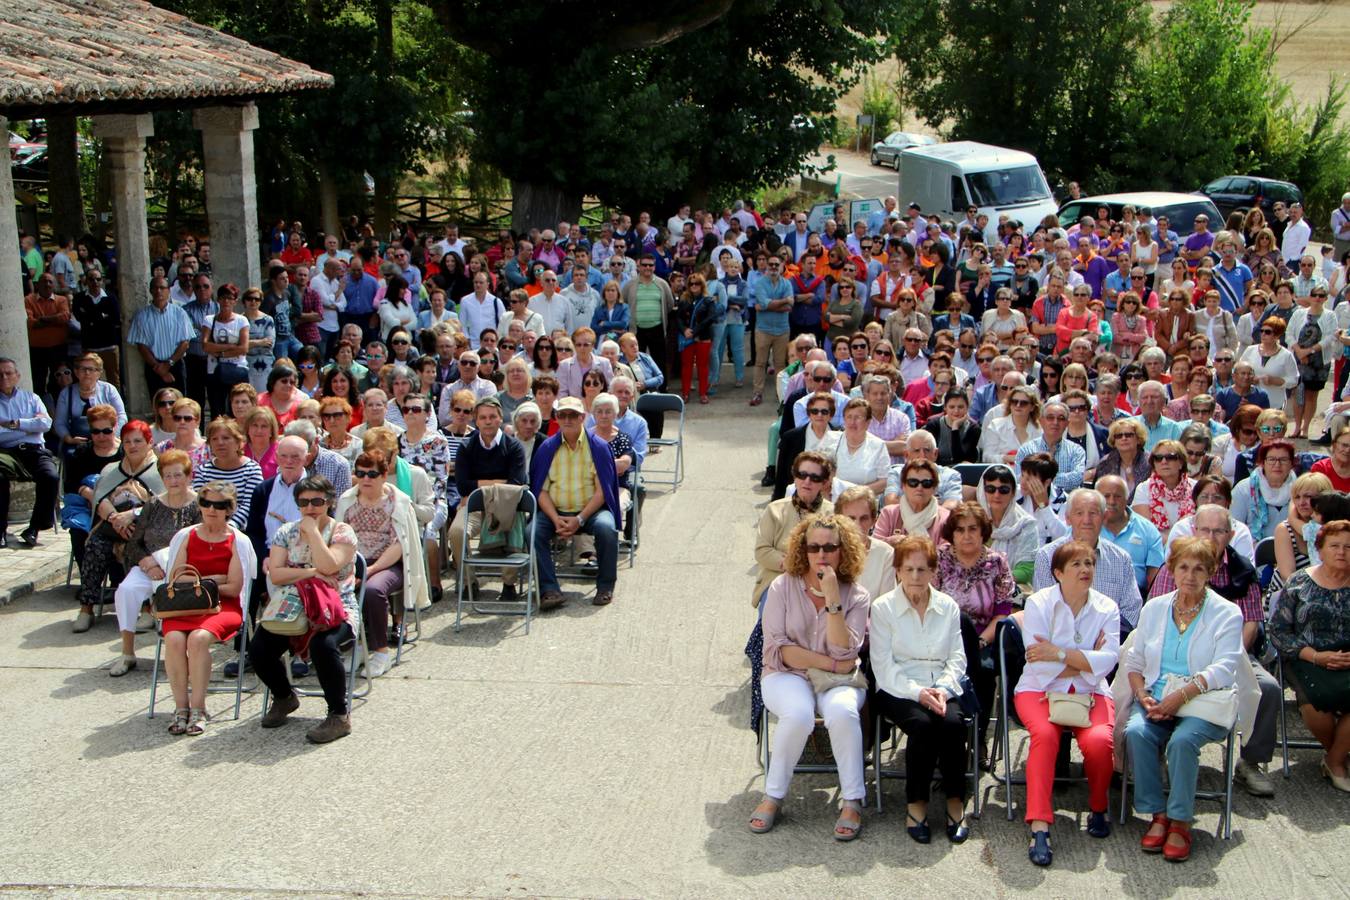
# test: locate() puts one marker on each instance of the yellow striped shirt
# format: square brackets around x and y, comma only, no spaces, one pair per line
[571,477]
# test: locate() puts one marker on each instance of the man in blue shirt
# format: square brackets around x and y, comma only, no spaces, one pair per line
[1130,531]
[1072,459]
[1117,282]
[1243,390]
[161,333]
[360,287]
[23,457]
[773,301]
[1230,276]
[1152,401]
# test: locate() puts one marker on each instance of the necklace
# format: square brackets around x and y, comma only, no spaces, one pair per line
[1187,615]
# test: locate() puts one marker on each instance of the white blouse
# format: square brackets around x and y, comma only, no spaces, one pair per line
[870,463]
[1047,615]
[1000,436]
[1282,365]
[909,654]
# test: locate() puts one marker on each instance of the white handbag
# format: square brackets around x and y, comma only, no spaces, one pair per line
[1218,707]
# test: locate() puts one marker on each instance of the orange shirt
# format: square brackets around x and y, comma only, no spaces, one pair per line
[47,335]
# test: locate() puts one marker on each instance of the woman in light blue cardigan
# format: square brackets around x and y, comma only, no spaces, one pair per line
[74,401]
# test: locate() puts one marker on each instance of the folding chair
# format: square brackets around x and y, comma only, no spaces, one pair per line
[884,730]
[1285,743]
[661,404]
[1264,558]
[1225,796]
[239,690]
[971,473]
[524,563]
[406,636]
[632,517]
[800,768]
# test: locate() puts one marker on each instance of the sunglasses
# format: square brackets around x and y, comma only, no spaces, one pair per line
[396,343]
[166,403]
[913,340]
[185,418]
[920,482]
[302,502]
[105,430]
[333,415]
[882,353]
[822,548]
[409,410]
[1272,429]
[818,411]
[1167,457]
[1020,401]
[468,362]
[857,346]
[1077,408]
[224,505]
[366,473]
[813,477]
[991,488]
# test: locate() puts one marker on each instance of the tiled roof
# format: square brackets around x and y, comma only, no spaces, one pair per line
[70,52]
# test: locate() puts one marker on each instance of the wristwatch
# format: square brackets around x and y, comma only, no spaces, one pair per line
[1061,656]
[834,609]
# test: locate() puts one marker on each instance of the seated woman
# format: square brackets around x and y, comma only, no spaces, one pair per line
[261,447]
[1019,424]
[1014,529]
[161,426]
[228,463]
[82,469]
[1075,633]
[1262,500]
[980,582]
[957,436]
[121,490]
[860,456]
[1166,496]
[187,435]
[1311,629]
[815,617]
[147,550]
[1291,545]
[917,658]
[918,511]
[320,548]
[1199,446]
[1040,498]
[336,415]
[221,552]
[282,393]
[243,399]
[428,449]
[389,537]
[1186,643]
[1126,438]
[70,419]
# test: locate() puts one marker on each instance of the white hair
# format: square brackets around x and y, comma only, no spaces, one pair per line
[607,400]
[1085,494]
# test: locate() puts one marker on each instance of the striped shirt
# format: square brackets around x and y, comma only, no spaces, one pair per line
[571,478]
[201,315]
[161,330]
[244,478]
[1114,575]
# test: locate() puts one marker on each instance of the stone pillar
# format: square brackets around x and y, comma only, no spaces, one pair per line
[124,158]
[13,318]
[231,192]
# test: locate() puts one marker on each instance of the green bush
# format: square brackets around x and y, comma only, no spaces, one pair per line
[881,102]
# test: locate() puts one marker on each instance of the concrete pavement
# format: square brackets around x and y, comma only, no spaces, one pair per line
[606,754]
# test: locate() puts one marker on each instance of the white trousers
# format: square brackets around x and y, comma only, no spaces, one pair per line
[133,593]
[794,703]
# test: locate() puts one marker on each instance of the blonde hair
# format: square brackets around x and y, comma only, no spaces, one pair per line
[852,550]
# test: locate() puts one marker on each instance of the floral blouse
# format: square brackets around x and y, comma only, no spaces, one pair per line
[374,527]
[201,454]
[983,591]
[432,454]
[298,556]
[1309,615]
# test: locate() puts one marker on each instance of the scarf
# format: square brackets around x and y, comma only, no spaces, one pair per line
[1159,495]
[803,509]
[1263,496]
[918,522]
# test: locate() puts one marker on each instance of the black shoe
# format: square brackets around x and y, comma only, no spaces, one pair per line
[508,594]
[395,633]
[957,832]
[769,478]
[299,668]
[1099,825]
[436,594]
[1039,852]
[1323,441]
[232,667]
[29,537]
[919,831]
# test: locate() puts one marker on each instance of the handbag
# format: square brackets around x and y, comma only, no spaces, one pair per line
[823,682]
[1070,710]
[195,596]
[285,613]
[1218,707]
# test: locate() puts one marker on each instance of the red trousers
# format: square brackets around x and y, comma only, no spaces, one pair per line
[1095,743]
[696,353]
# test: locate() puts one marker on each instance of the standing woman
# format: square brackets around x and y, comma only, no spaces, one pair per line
[338,382]
[262,335]
[695,315]
[918,658]
[1145,253]
[814,619]
[225,342]
[545,358]
[1276,368]
[1165,498]
[1216,325]
[610,318]
[1075,642]
[845,311]
[1316,344]
[396,308]
[1129,326]
[1261,250]
[1249,323]
[219,551]
[307,361]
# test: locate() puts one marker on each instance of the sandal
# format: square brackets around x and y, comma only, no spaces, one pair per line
[197,723]
[180,721]
[844,829]
[768,819]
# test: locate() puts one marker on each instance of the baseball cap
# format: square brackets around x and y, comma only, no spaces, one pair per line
[569,404]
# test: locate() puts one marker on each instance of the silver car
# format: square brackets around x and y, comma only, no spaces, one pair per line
[887,152]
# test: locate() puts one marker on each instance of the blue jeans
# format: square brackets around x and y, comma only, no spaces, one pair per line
[1182,739]
[287,347]
[732,335]
[599,526]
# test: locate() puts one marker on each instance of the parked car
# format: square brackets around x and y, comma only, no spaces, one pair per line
[1180,209]
[1246,191]
[887,152]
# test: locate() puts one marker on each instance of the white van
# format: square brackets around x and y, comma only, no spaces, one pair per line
[947,179]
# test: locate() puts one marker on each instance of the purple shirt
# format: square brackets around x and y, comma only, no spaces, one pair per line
[1198,241]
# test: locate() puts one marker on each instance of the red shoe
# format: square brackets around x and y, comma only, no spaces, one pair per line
[704,399]
[1172,853]
[1154,843]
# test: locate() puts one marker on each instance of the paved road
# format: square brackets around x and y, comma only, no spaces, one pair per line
[605,754]
[859,179]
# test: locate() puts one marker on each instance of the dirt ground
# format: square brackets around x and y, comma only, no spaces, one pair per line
[1318,33]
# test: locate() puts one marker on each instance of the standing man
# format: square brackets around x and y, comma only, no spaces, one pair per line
[1340,229]
[100,321]
[1296,234]
[359,289]
[328,285]
[1231,277]
[161,333]
[23,456]
[772,301]
[48,326]
[517,268]
[181,292]
[201,307]
[551,305]
[650,305]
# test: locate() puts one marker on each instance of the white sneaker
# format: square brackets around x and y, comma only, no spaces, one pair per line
[145,622]
[83,622]
[122,666]
[1254,777]
[377,664]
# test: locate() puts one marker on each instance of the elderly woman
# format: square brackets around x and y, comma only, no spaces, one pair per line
[218,551]
[918,511]
[261,447]
[147,551]
[1075,642]
[1276,368]
[1019,425]
[1311,629]
[517,387]
[282,393]
[525,423]
[1314,339]
[1165,496]
[814,619]
[187,420]
[1014,529]
[1291,547]
[228,463]
[336,415]
[1129,326]
[389,537]
[1262,499]
[1002,321]
[70,420]
[121,490]
[319,550]
[917,658]
[1243,436]
[812,473]
[816,434]
[1187,643]
[1199,460]
[1127,458]
[981,583]
[860,457]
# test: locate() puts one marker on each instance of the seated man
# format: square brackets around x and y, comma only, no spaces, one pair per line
[572,475]
[23,456]
[489,456]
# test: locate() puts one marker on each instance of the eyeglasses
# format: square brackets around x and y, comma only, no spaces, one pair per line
[225,505]
[366,473]
[103,430]
[1053,417]
[991,488]
[822,548]
[920,482]
[166,403]
[818,411]
[185,418]
[302,502]
[813,477]
[1279,460]
[1167,457]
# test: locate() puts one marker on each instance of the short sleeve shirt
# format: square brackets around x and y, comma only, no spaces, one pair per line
[298,556]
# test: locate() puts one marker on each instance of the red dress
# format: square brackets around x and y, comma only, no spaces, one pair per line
[212,560]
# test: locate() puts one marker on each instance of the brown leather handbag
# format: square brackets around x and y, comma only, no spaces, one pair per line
[190,596]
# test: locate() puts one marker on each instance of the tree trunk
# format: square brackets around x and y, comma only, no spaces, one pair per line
[63,179]
[383,202]
[329,219]
[542,205]
[384,73]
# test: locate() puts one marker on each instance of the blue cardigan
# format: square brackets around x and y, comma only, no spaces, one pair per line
[601,457]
